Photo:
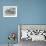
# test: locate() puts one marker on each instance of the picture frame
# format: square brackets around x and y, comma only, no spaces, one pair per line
[39,28]
[9,11]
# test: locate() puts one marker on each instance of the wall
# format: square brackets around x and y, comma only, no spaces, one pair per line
[29,12]
[7,25]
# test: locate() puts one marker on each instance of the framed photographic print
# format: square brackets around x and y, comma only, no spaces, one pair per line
[9,11]
[31,32]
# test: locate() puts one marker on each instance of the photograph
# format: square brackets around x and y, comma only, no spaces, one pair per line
[28,33]
[9,11]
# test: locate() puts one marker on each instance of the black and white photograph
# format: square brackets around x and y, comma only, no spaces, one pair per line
[29,34]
